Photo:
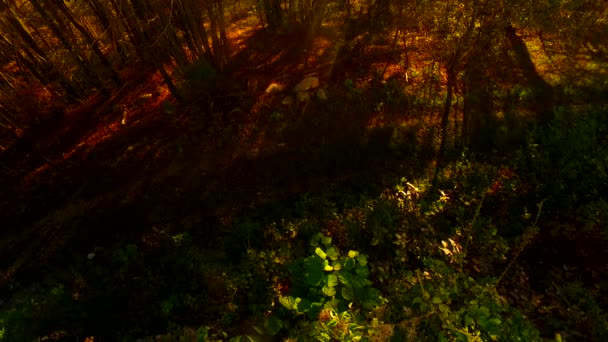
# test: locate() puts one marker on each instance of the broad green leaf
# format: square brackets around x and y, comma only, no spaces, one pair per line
[483,322]
[326,241]
[303,305]
[315,310]
[362,271]
[345,278]
[373,294]
[315,240]
[337,266]
[352,254]
[483,311]
[347,293]
[329,291]
[362,259]
[332,280]
[314,270]
[332,253]
[288,302]
[273,325]
[349,264]
[320,253]
[436,300]
[495,321]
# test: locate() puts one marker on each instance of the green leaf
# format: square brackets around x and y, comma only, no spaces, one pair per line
[362,259]
[483,322]
[373,294]
[483,311]
[362,271]
[352,327]
[444,308]
[314,270]
[303,305]
[345,316]
[329,291]
[326,241]
[348,293]
[349,264]
[332,253]
[332,323]
[273,325]
[345,278]
[495,321]
[337,266]
[315,239]
[315,310]
[320,253]
[436,300]
[288,302]
[332,280]
[352,254]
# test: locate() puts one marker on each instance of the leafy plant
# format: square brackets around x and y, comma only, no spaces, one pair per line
[328,289]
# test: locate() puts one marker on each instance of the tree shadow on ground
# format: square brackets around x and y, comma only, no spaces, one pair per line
[189,171]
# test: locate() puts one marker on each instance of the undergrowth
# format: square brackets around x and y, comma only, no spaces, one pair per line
[449,261]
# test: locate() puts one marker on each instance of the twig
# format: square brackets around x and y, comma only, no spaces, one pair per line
[527,237]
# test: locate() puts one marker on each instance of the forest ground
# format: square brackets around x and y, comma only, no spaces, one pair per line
[252,155]
[171,168]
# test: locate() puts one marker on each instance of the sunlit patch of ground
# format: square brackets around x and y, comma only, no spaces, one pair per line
[560,64]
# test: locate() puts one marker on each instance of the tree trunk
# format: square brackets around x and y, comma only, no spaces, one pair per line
[544,101]
[81,60]
[47,70]
[273,12]
[447,108]
[91,42]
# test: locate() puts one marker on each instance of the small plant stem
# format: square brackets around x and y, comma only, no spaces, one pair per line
[528,235]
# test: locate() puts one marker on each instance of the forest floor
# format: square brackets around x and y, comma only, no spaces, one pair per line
[170,167]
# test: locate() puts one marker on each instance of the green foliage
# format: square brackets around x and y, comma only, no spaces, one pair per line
[444,303]
[36,313]
[329,289]
[568,160]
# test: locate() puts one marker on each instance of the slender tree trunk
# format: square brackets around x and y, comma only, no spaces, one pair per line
[447,106]
[91,42]
[81,61]
[48,72]
[104,15]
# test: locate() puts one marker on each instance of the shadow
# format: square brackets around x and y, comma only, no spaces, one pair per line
[190,170]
